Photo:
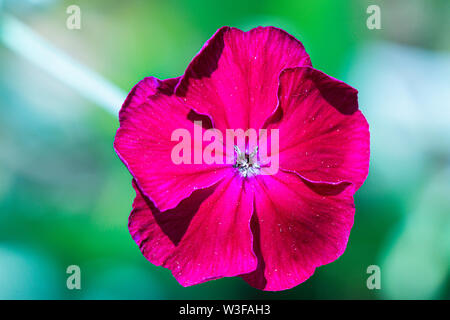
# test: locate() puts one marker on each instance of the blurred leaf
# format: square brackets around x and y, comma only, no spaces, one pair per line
[417,263]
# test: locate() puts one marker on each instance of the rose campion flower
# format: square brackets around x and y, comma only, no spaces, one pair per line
[208,221]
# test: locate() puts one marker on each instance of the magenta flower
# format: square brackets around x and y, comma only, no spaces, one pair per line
[205,221]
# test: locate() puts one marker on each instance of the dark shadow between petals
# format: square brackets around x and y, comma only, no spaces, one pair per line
[200,67]
[276,117]
[326,189]
[206,120]
[256,278]
[175,222]
[338,94]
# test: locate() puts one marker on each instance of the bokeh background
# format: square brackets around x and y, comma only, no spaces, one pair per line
[65,197]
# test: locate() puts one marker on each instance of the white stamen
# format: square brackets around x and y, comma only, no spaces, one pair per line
[247,164]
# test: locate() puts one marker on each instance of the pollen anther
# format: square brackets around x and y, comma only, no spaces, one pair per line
[247,164]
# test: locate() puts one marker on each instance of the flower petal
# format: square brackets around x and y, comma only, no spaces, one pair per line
[158,233]
[296,230]
[149,116]
[199,242]
[323,136]
[234,78]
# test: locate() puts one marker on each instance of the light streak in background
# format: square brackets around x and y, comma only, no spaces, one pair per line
[22,40]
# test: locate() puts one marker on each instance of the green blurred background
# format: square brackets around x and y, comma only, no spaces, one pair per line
[65,197]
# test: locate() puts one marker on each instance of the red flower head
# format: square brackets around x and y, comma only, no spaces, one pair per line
[269,217]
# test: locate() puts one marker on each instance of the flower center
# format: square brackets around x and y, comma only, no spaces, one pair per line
[247,164]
